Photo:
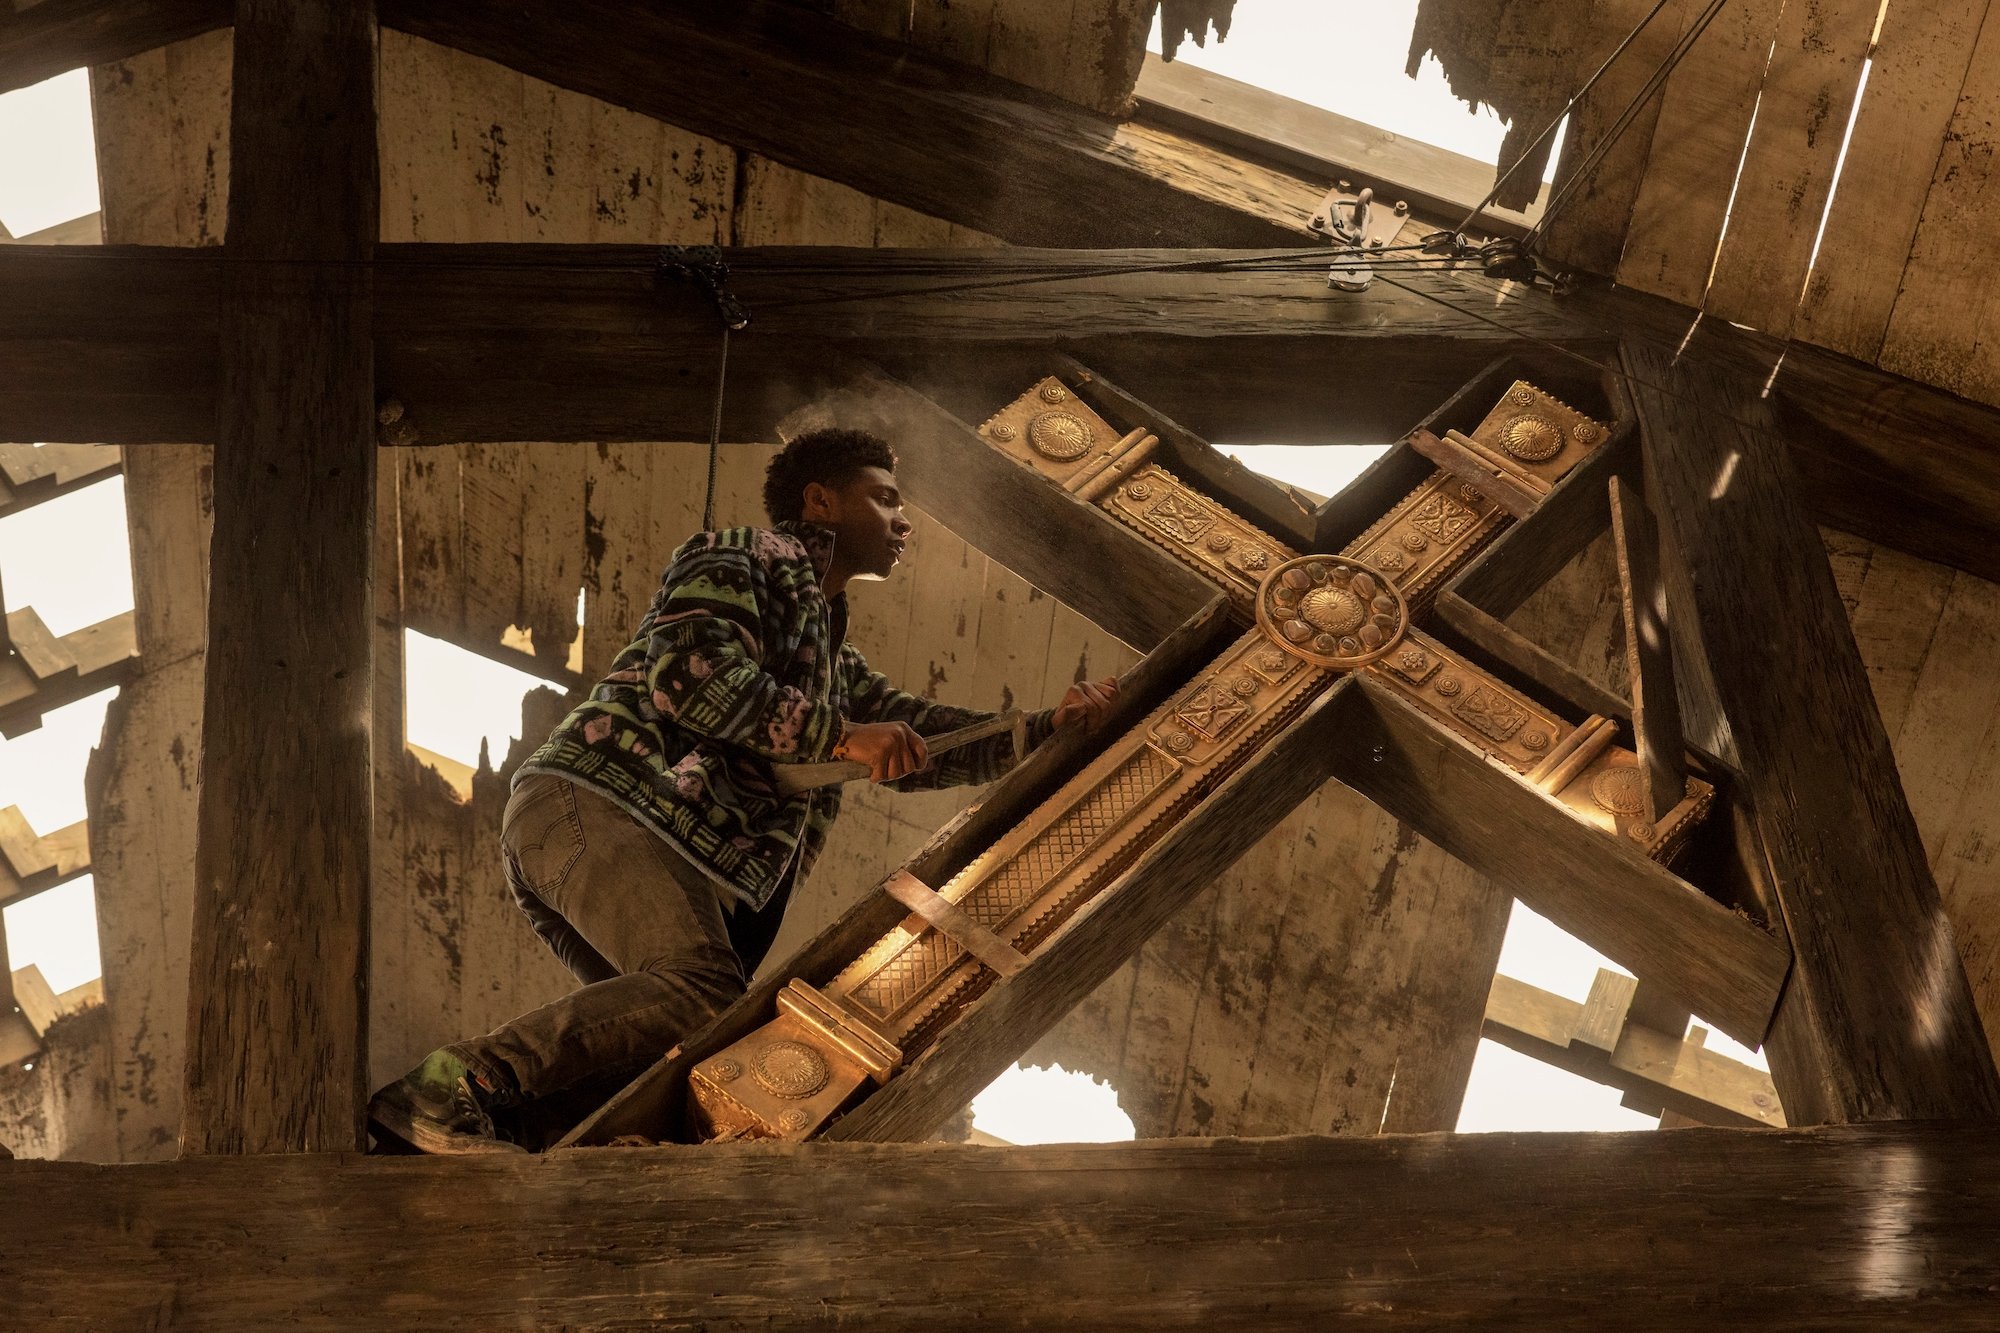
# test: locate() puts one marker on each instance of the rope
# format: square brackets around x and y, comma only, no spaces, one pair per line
[702,265]
[715,434]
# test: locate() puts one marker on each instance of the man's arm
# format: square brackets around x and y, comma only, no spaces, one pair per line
[871,698]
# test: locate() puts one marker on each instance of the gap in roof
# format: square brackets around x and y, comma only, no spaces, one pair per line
[1349,59]
[48,161]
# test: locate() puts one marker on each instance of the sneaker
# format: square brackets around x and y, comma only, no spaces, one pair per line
[440,1107]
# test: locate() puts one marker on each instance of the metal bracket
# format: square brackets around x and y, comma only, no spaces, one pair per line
[1358,225]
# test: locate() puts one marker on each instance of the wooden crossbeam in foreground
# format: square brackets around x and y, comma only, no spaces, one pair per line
[1861,1227]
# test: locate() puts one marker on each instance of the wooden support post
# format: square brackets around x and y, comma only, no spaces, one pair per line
[1649,652]
[276,989]
[1877,1020]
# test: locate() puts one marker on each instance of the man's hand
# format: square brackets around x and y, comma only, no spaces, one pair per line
[890,749]
[1088,702]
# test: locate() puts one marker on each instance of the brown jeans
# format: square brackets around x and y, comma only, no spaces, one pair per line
[639,925]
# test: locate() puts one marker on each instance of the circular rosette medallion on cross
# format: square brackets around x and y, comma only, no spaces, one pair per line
[1331,611]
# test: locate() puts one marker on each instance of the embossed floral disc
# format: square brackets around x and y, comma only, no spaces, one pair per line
[1331,611]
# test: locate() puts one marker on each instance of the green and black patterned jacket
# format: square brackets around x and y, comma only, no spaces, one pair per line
[741,663]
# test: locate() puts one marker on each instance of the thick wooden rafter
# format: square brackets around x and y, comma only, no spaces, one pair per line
[1698,1229]
[278,960]
[1878,1020]
[110,343]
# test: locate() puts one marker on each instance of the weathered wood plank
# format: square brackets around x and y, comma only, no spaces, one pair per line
[1878,1021]
[1649,1063]
[1698,142]
[1016,1012]
[1656,714]
[277,990]
[1521,660]
[1589,230]
[816,95]
[53,36]
[1949,299]
[1781,189]
[1417,1232]
[1322,145]
[652,1099]
[1920,64]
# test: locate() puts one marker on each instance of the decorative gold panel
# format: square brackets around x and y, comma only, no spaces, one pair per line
[1197,531]
[1429,535]
[1077,841]
[1051,430]
[1536,433]
[1465,700]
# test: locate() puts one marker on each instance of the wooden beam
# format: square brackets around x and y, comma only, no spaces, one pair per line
[1597,887]
[1649,652]
[112,344]
[1322,146]
[1015,1014]
[1522,662]
[63,670]
[1878,1020]
[1496,1231]
[949,140]
[56,36]
[278,961]
[1649,1064]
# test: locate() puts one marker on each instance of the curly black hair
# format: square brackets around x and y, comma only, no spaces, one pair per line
[831,457]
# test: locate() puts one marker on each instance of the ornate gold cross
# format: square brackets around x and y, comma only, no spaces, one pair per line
[1306,624]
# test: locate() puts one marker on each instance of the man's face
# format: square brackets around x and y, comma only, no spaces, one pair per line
[866,516]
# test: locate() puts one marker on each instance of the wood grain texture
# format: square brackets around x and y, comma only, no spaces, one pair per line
[162,127]
[1656,713]
[1878,1020]
[1595,209]
[58,35]
[1698,143]
[797,87]
[60,1108]
[1014,1014]
[652,1100]
[1322,145]
[1781,189]
[1329,982]
[600,353]
[1920,63]
[1606,893]
[277,990]
[1941,330]
[1401,1232]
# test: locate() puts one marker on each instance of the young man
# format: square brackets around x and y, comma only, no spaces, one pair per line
[648,841]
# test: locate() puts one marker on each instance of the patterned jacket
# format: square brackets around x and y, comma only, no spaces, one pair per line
[741,663]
